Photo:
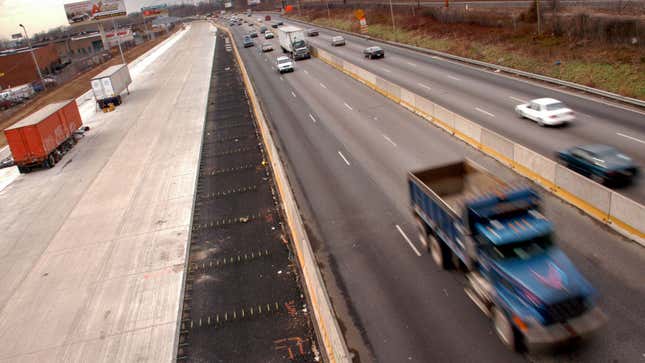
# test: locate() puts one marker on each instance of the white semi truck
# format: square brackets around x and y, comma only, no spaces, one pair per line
[292,41]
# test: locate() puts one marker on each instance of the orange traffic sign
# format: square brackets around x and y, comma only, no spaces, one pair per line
[359,14]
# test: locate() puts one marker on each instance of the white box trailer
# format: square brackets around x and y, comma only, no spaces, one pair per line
[108,85]
[292,40]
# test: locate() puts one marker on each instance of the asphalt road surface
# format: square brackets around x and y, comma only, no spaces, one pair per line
[348,150]
[489,99]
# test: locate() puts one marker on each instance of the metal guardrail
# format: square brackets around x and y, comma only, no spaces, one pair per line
[579,87]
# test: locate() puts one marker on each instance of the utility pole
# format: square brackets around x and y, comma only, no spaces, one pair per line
[33,56]
[539,17]
[328,11]
[118,40]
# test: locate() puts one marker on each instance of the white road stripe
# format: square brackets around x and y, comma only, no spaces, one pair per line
[412,64]
[388,139]
[348,106]
[323,86]
[630,137]
[435,57]
[386,70]
[293,94]
[484,112]
[304,70]
[424,86]
[344,158]
[517,99]
[455,78]
[312,118]
[408,241]
[282,79]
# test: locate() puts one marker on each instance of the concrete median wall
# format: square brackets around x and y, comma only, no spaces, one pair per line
[623,214]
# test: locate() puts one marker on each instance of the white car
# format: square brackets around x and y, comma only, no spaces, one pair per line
[268,35]
[284,64]
[546,111]
[337,41]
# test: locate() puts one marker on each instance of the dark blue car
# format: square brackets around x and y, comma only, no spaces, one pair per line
[603,164]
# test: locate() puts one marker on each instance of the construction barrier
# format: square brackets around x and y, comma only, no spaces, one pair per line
[618,211]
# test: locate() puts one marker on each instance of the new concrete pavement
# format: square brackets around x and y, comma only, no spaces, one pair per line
[348,151]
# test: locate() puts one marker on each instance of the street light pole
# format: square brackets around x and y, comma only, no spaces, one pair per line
[328,11]
[33,56]
[118,40]
[392,14]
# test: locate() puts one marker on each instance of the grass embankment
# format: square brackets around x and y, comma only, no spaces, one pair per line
[614,68]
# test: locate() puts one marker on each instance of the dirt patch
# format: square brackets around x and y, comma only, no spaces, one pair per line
[71,89]
[612,67]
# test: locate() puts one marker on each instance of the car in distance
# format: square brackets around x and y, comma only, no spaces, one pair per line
[312,32]
[267,47]
[374,52]
[263,29]
[267,18]
[601,163]
[253,35]
[274,25]
[280,23]
[248,42]
[337,41]
[268,35]
[284,64]
[546,111]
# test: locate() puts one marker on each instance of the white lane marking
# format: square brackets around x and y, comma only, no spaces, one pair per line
[386,70]
[517,99]
[305,71]
[408,240]
[323,86]
[312,118]
[630,137]
[453,77]
[484,112]
[282,79]
[344,158]
[424,86]
[412,64]
[348,106]
[293,94]
[435,57]
[388,139]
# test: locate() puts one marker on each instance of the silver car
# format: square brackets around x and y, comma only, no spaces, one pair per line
[337,41]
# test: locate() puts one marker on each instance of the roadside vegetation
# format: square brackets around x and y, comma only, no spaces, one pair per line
[596,60]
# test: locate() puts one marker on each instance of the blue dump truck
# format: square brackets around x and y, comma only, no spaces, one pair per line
[470,220]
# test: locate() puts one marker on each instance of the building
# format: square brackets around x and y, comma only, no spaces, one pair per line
[17,66]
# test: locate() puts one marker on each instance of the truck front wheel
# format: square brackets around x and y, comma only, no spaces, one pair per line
[504,329]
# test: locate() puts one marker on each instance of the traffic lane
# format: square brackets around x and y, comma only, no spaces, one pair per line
[373,263]
[631,117]
[612,264]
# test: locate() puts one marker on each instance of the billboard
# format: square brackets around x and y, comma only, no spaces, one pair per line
[154,11]
[16,36]
[120,36]
[253,2]
[90,11]
[228,4]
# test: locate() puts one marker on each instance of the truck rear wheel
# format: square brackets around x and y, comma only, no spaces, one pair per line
[439,252]
[423,233]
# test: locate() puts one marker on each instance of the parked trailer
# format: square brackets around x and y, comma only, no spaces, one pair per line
[108,85]
[517,275]
[42,138]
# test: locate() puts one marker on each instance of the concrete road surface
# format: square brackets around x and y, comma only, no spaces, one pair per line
[92,251]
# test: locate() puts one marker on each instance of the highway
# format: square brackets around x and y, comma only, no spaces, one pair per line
[489,98]
[347,151]
[477,4]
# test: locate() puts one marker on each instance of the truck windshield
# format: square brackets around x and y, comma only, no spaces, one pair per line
[299,44]
[522,250]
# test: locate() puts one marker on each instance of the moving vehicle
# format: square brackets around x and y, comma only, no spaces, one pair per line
[268,35]
[517,275]
[267,18]
[374,52]
[274,26]
[546,111]
[603,164]
[337,41]
[292,40]
[247,41]
[284,64]
[108,85]
[267,47]
[42,138]
[312,32]
[263,29]
[253,34]
[280,23]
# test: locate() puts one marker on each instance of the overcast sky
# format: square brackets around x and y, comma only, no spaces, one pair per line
[41,15]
